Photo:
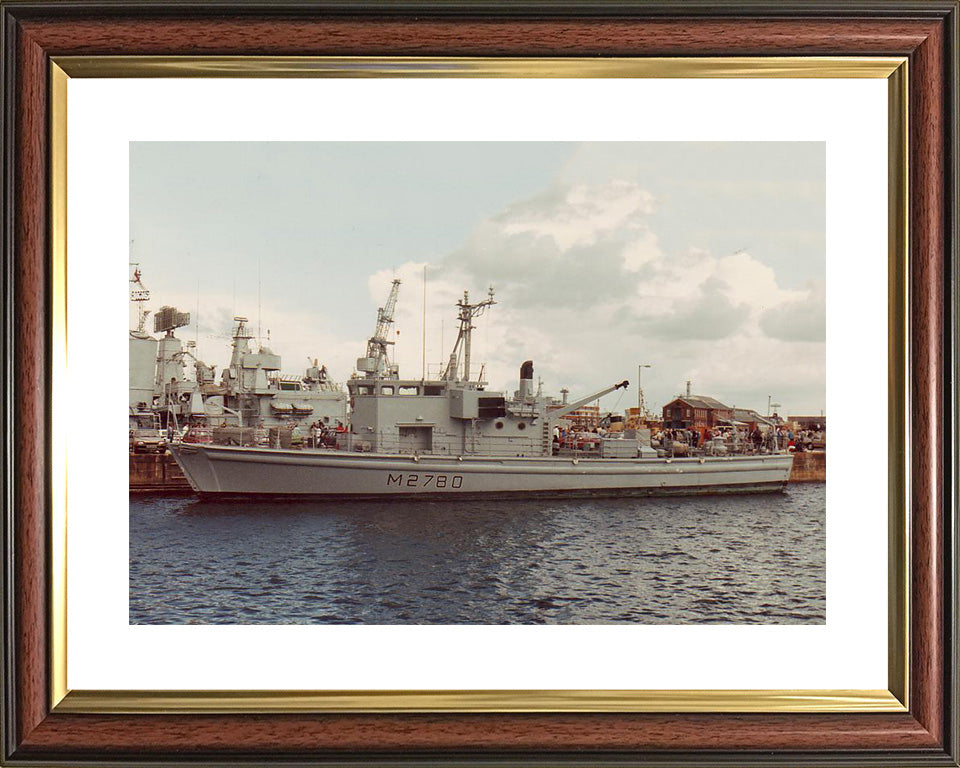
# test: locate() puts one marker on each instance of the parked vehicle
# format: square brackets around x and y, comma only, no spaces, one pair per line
[146,433]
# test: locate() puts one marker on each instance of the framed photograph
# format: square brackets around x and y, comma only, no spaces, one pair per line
[478,361]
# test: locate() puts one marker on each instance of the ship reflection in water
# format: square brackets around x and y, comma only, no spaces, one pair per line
[727,559]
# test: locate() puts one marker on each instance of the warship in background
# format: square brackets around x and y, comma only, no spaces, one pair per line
[450,437]
[251,393]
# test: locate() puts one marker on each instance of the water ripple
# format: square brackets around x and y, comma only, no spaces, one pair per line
[736,559]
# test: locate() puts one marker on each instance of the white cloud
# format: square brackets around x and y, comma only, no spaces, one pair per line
[707,313]
[641,250]
[585,290]
[579,215]
[803,319]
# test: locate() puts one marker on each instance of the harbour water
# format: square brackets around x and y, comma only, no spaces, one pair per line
[717,559]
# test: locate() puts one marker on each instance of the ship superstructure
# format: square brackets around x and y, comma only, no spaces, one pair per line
[169,380]
[455,414]
[253,392]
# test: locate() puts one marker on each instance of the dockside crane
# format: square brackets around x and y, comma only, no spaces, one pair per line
[556,414]
[553,416]
[377,361]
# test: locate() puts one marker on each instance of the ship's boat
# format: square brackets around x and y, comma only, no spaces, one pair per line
[451,438]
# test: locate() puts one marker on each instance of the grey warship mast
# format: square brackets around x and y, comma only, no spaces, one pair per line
[450,437]
[467,312]
[143,349]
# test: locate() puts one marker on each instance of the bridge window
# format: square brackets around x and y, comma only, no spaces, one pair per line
[492,407]
[409,390]
[386,390]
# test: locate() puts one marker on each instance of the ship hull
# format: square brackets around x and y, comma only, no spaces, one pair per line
[227,471]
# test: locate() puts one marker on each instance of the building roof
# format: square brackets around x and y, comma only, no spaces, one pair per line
[700,401]
[808,419]
[747,415]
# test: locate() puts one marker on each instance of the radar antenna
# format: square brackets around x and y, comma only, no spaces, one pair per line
[467,312]
[139,294]
[168,319]
[377,362]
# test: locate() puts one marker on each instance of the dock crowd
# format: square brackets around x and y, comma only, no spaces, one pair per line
[720,440]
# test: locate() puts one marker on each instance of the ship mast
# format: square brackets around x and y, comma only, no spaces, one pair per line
[377,362]
[141,295]
[467,312]
[241,345]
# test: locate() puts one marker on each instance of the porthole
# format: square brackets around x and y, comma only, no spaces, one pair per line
[521,426]
[499,425]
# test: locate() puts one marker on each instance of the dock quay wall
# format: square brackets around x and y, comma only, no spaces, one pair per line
[809,467]
[156,473]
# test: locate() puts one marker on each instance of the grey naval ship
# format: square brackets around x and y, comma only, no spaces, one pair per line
[452,438]
[252,391]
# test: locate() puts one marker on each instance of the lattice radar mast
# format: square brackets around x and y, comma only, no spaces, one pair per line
[139,294]
[466,314]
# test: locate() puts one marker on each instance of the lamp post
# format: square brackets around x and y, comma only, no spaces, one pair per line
[640,404]
[771,404]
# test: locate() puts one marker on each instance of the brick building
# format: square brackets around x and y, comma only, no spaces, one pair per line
[695,412]
[586,417]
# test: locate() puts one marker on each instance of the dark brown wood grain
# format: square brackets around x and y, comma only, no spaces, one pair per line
[927,264]
[424,37]
[259,734]
[923,37]
[30,373]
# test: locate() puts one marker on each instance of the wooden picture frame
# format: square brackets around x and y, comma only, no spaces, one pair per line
[37,731]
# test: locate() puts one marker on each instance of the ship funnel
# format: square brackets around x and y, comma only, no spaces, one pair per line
[526,380]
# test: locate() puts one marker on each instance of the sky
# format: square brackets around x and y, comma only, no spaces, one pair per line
[705,261]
